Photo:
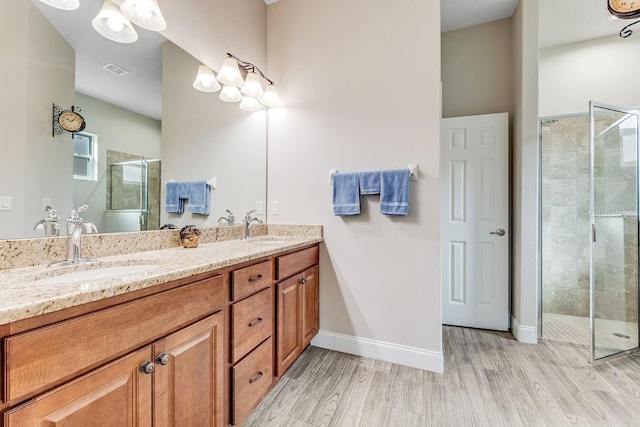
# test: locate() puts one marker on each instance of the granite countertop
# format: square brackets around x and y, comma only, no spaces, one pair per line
[33,291]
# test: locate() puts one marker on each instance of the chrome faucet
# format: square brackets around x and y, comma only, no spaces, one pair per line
[229,219]
[248,220]
[50,224]
[75,225]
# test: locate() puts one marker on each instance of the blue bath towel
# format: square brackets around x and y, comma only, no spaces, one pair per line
[199,198]
[369,182]
[346,194]
[174,203]
[394,192]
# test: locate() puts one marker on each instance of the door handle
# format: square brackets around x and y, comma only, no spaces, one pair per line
[500,232]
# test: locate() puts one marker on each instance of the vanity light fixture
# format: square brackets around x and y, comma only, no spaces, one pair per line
[112,24]
[234,86]
[206,80]
[144,13]
[63,4]
[230,94]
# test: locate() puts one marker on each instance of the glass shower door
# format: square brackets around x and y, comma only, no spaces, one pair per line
[614,230]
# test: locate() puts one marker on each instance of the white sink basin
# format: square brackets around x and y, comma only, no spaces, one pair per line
[96,274]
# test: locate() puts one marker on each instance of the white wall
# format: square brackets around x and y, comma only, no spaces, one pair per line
[476,69]
[347,71]
[203,137]
[604,70]
[525,172]
[38,69]
[117,129]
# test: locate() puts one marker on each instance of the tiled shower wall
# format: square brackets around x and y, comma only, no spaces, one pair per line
[565,222]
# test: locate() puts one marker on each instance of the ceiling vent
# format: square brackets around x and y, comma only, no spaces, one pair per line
[115,69]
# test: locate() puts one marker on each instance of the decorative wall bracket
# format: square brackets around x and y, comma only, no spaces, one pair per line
[626,31]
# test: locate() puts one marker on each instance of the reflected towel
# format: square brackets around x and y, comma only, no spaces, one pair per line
[346,194]
[199,197]
[174,203]
[394,192]
[369,182]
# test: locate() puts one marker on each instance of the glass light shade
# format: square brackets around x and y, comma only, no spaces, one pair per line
[271,97]
[230,73]
[249,103]
[206,80]
[230,94]
[252,86]
[145,13]
[112,24]
[63,4]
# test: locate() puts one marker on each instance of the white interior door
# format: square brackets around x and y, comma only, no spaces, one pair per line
[475,218]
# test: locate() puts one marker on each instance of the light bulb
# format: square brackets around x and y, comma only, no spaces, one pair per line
[252,86]
[249,103]
[115,23]
[271,97]
[230,73]
[205,80]
[145,13]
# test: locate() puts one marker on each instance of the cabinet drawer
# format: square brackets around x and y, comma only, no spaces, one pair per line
[248,280]
[252,323]
[250,381]
[296,262]
[39,359]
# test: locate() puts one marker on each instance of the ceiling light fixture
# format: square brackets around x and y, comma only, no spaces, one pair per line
[206,80]
[112,24]
[63,4]
[144,13]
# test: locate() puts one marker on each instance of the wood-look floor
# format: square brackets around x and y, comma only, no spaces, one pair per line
[490,379]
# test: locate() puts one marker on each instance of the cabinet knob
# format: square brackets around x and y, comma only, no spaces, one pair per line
[147,367]
[255,322]
[303,281]
[256,378]
[162,359]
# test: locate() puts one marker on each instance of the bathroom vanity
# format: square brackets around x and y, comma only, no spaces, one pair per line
[198,340]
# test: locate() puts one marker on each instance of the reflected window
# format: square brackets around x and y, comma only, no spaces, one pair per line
[85,156]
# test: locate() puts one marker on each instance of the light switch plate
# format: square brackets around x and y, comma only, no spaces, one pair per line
[5,203]
[275,207]
[260,207]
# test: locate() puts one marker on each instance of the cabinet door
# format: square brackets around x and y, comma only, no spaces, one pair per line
[310,305]
[289,338]
[189,375]
[117,394]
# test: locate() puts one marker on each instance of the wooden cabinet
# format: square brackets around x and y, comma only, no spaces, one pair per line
[115,395]
[171,373]
[297,305]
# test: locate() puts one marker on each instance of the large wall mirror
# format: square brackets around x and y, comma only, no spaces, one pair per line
[146,125]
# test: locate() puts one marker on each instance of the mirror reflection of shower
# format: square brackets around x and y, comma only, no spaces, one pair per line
[133,192]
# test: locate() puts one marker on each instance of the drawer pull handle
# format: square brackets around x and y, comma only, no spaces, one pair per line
[256,378]
[162,359]
[303,281]
[255,322]
[255,278]
[147,367]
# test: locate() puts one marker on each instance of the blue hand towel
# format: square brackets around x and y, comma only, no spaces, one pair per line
[346,194]
[174,204]
[394,192]
[369,182]
[199,197]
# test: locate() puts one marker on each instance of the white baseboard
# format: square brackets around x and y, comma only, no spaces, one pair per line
[525,334]
[389,352]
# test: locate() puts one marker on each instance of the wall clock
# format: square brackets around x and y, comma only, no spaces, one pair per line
[625,9]
[67,120]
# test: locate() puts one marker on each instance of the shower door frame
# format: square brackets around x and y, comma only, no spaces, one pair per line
[592,141]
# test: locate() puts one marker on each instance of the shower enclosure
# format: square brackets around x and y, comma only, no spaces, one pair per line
[589,230]
[133,192]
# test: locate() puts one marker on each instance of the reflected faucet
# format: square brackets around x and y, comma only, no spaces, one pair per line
[50,224]
[230,220]
[248,220]
[75,225]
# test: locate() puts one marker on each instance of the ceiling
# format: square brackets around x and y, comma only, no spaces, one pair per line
[457,14]
[141,89]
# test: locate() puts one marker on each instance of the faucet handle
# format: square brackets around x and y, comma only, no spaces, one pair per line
[79,209]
